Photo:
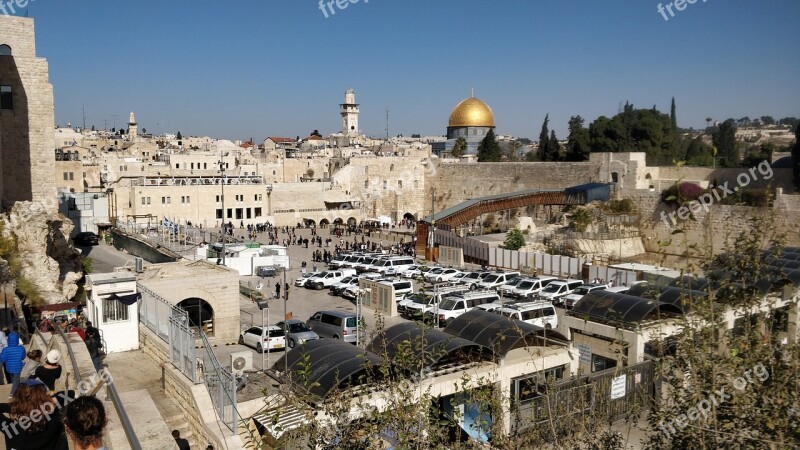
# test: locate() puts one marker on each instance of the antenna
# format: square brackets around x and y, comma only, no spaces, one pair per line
[114,116]
[387,124]
[84,116]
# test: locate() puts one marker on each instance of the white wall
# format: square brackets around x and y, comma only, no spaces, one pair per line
[120,336]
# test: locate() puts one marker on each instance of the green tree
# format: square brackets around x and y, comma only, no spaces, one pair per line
[515,240]
[767,120]
[699,153]
[489,149]
[544,139]
[578,147]
[724,138]
[459,148]
[637,130]
[553,147]
[179,136]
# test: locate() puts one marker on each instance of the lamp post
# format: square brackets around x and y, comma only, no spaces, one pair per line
[269,200]
[222,198]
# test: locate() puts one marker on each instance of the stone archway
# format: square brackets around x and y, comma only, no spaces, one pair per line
[338,221]
[352,221]
[310,223]
[324,223]
[201,313]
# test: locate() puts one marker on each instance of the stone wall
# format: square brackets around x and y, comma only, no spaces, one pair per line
[27,140]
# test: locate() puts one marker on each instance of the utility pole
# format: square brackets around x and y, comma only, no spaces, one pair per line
[114,116]
[84,116]
[222,198]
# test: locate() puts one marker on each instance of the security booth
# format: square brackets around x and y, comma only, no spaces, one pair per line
[112,307]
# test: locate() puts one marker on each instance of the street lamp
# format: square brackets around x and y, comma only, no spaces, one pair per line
[222,198]
[263,305]
[269,200]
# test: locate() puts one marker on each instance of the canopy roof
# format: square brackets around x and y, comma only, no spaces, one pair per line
[622,308]
[327,364]
[672,295]
[402,345]
[498,333]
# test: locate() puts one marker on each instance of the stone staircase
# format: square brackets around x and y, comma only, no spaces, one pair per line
[178,422]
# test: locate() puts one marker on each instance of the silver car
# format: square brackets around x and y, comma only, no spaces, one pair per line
[297,332]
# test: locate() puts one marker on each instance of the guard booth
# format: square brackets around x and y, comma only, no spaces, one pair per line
[112,305]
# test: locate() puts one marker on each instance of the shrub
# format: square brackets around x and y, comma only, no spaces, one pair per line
[680,193]
[621,206]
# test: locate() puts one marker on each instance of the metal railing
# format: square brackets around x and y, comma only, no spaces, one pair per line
[221,385]
[75,370]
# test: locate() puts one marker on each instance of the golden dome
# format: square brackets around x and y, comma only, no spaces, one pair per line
[472,113]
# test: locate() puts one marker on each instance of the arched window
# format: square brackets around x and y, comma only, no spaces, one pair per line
[614,177]
[391,167]
[648,177]
[5,50]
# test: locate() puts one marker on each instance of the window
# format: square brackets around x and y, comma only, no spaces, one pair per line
[148,200]
[247,214]
[192,166]
[239,213]
[185,200]
[68,176]
[218,198]
[257,212]
[6,97]
[258,197]
[230,213]
[114,311]
[366,184]
[600,363]
[143,201]
[5,50]
[219,213]
[177,165]
[385,184]
[166,200]
[204,166]
[399,184]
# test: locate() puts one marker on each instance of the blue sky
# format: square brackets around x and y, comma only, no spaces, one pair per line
[257,68]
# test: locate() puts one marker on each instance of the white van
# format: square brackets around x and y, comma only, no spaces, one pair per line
[394,266]
[452,307]
[497,279]
[558,289]
[570,299]
[541,313]
[529,287]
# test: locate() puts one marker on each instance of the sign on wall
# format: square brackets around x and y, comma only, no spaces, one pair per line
[451,256]
[379,296]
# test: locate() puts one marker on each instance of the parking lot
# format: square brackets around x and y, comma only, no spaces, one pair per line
[302,303]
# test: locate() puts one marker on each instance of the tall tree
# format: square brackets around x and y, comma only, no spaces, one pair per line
[459,148]
[796,156]
[724,138]
[699,153]
[553,147]
[544,139]
[489,149]
[578,147]
[673,118]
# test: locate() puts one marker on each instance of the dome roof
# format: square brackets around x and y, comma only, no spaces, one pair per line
[472,113]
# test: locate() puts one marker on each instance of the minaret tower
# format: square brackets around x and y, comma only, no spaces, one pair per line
[349,112]
[133,129]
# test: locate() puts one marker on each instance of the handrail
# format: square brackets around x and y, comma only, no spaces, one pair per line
[75,369]
[111,392]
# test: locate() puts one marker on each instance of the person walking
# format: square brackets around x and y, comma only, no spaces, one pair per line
[34,360]
[278,289]
[30,400]
[84,420]
[12,358]
[93,345]
[50,371]
[182,443]
[3,344]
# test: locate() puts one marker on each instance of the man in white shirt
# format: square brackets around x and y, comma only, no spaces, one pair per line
[3,344]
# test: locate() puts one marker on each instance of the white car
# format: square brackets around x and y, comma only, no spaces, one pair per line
[441,274]
[300,282]
[264,339]
[346,282]
[529,287]
[570,299]
[541,313]
[558,289]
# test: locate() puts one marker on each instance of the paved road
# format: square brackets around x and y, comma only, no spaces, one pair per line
[105,257]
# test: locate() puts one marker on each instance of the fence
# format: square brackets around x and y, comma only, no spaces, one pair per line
[608,395]
[544,263]
[221,385]
[172,325]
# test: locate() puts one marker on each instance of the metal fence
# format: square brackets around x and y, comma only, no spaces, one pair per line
[221,385]
[172,325]
[608,395]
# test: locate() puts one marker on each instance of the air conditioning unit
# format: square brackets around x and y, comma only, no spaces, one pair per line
[241,361]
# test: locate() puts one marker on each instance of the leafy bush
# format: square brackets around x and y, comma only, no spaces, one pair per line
[514,240]
[582,218]
[680,193]
[621,206]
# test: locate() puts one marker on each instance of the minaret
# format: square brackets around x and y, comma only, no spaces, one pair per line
[349,112]
[133,129]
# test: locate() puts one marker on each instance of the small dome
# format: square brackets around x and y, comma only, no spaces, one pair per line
[472,112]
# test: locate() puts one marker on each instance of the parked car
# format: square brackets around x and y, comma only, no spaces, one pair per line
[441,274]
[345,283]
[328,278]
[335,324]
[421,305]
[508,287]
[86,238]
[497,279]
[529,287]
[472,279]
[393,266]
[264,338]
[570,299]
[558,289]
[452,307]
[297,332]
[541,313]
[300,282]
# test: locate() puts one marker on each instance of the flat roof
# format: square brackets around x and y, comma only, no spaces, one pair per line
[110,277]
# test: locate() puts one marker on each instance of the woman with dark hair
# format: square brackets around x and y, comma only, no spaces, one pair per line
[85,419]
[31,421]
